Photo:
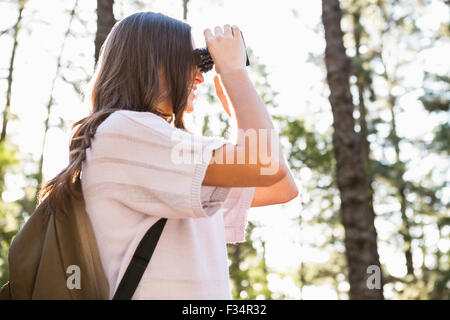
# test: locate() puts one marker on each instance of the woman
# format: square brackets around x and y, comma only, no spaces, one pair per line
[131,158]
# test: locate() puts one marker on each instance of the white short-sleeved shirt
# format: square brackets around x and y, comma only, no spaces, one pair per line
[138,169]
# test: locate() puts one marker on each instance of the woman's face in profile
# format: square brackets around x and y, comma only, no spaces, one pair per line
[198,79]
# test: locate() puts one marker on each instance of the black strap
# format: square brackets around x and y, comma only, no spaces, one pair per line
[139,262]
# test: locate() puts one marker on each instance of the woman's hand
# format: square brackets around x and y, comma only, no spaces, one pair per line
[221,95]
[226,48]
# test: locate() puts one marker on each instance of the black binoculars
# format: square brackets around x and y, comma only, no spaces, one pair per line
[204,60]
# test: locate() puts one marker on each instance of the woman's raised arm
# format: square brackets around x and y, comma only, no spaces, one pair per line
[256,159]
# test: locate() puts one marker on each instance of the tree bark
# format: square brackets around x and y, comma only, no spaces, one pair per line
[361,84]
[360,234]
[105,22]
[185,9]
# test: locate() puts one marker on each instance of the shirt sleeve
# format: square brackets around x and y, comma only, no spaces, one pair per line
[213,198]
[142,162]
[235,211]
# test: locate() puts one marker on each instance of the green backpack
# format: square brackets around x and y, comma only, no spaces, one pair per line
[55,257]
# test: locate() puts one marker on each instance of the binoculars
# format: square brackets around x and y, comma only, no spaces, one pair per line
[204,60]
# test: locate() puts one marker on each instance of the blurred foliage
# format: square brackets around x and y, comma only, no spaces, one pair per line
[9,211]
[307,147]
[248,269]
[437,100]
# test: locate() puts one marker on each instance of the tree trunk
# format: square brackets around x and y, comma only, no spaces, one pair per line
[360,234]
[399,182]
[361,84]
[185,9]
[105,22]
[16,29]
[401,187]
[39,175]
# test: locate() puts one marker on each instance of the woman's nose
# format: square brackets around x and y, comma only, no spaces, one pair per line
[199,77]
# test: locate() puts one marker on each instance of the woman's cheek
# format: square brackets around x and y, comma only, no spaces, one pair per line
[190,104]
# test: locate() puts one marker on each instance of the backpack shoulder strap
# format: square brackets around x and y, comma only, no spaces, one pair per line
[139,262]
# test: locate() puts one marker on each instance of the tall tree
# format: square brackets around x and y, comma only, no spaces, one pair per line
[9,156]
[363,84]
[399,167]
[398,38]
[105,22]
[185,9]
[356,214]
[400,182]
[16,30]
[39,175]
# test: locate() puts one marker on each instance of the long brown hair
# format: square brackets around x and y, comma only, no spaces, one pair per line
[140,50]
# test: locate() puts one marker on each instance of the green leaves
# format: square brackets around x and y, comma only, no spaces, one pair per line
[307,146]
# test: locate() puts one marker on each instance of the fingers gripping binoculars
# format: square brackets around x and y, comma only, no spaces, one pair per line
[204,60]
